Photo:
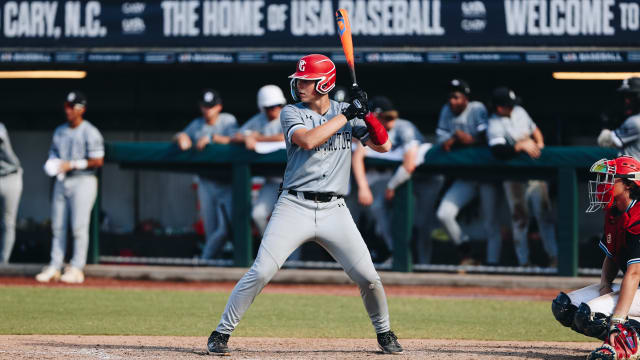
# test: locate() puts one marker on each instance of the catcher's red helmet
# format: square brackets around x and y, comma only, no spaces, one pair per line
[315,67]
[601,189]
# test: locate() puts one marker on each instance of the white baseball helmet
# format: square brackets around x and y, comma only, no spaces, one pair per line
[270,95]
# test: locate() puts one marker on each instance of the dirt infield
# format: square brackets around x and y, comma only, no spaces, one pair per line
[347,290]
[162,347]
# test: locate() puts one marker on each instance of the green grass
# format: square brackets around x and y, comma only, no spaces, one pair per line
[25,310]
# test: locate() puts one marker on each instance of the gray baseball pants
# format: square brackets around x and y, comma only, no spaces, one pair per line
[215,208]
[458,196]
[10,191]
[295,221]
[523,197]
[73,199]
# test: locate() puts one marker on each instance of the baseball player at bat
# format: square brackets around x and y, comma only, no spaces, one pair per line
[627,136]
[214,196]
[464,123]
[10,191]
[610,311]
[511,130]
[77,150]
[318,135]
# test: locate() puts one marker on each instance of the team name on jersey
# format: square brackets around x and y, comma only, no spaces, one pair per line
[339,141]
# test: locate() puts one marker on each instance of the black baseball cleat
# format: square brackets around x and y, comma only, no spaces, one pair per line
[217,343]
[388,343]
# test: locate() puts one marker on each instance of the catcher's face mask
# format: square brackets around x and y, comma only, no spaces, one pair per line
[601,189]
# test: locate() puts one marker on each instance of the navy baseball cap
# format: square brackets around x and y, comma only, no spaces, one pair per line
[210,98]
[75,98]
[381,104]
[503,96]
[459,85]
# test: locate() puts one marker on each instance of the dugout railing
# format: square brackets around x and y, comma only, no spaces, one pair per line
[561,164]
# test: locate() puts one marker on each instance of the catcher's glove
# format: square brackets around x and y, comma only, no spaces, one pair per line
[624,346]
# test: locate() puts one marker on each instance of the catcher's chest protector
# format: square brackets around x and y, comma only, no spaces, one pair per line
[616,227]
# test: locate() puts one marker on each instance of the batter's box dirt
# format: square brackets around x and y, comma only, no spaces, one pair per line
[166,347]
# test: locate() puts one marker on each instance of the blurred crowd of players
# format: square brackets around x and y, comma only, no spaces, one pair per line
[503,125]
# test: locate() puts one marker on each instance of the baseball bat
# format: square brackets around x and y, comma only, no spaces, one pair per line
[344,31]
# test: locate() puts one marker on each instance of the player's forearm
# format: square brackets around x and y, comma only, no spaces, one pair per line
[95,163]
[220,139]
[609,272]
[380,148]
[270,138]
[627,291]
[357,165]
[409,159]
[538,138]
[311,138]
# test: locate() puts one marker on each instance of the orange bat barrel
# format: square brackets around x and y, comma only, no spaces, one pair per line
[344,31]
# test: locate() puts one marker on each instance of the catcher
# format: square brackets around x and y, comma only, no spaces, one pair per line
[608,311]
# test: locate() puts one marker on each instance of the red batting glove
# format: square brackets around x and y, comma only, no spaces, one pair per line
[377,132]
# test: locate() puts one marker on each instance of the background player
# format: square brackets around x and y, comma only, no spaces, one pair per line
[598,309]
[77,150]
[318,134]
[376,187]
[511,131]
[10,191]
[627,136]
[214,195]
[264,127]
[464,123]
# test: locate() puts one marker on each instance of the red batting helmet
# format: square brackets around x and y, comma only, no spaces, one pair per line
[315,67]
[601,189]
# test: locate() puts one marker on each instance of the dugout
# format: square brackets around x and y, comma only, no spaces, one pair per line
[146,62]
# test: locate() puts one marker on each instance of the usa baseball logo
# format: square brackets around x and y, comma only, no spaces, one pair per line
[301,65]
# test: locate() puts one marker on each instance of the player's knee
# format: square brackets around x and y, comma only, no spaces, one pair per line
[259,212]
[446,212]
[259,275]
[563,310]
[590,323]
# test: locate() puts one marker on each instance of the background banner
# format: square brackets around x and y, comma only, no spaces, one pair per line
[280,24]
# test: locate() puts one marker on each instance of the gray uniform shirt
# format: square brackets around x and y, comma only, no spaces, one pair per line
[403,133]
[260,123]
[225,125]
[473,121]
[629,134]
[9,162]
[82,142]
[509,130]
[327,167]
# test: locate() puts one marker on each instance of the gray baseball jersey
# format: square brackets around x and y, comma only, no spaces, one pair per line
[9,162]
[403,133]
[260,123]
[509,130]
[629,134]
[225,125]
[327,167]
[81,142]
[473,121]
